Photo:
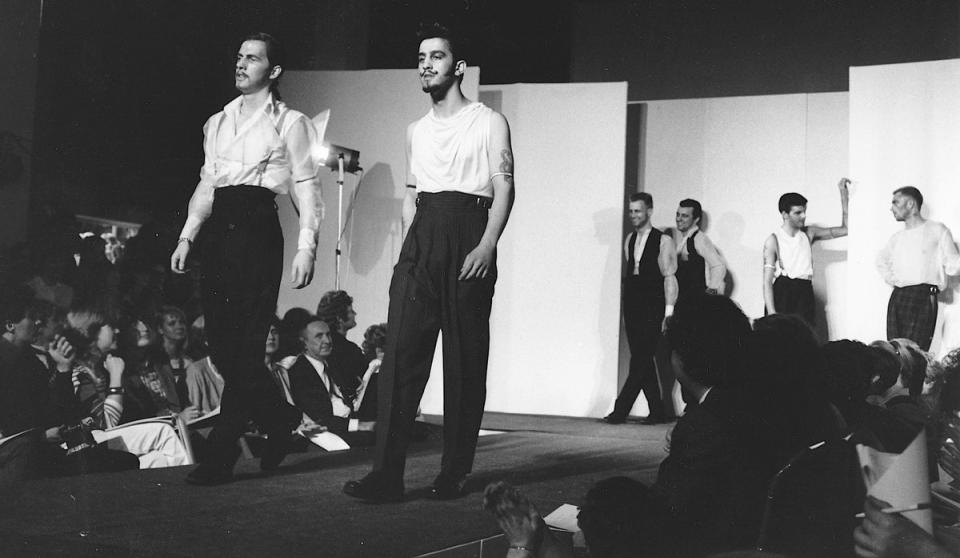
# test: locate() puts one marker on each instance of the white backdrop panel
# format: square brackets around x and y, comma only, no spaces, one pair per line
[737,155]
[555,324]
[904,129]
[554,328]
[370,111]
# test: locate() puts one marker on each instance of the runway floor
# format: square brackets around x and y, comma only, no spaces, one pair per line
[300,511]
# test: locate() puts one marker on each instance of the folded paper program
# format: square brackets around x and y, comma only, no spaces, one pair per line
[900,479]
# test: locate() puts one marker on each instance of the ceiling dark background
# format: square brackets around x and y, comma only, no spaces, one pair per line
[124,86]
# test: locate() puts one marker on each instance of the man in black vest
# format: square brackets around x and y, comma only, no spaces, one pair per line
[700,269]
[649,292]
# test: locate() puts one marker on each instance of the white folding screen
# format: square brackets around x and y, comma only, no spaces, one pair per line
[904,129]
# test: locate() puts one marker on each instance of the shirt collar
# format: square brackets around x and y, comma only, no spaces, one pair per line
[270,107]
[690,232]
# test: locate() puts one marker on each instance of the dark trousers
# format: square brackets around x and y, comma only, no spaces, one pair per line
[794,296]
[240,280]
[643,319]
[912,314]
[426,297]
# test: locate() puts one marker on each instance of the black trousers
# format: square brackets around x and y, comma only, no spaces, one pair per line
[794,296]
[240,280]
[912,314]
[426,297]
[643,319]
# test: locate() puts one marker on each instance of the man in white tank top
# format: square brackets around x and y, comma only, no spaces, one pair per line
[787,258]
[459,195]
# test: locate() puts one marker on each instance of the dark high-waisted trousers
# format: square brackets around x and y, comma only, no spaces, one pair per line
[425,298]
[240,280]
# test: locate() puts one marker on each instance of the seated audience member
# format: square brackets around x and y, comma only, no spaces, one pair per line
[290,327]
[150,389]
[619,518]
[34,395]
[848,366]
[171,325]
[204,382]
[890,535]
[374,341]
[714,479]
[787,383]
[312,385]
[898,386]
[346,358]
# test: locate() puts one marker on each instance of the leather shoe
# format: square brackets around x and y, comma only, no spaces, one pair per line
[446,487]
[274,452]
[373,488]
[209,475]
[614,419]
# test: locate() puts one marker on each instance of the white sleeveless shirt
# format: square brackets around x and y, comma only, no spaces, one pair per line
[450,154]
[795,259]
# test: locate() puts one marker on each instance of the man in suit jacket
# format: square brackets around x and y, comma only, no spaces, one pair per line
[312,384]
[713,480]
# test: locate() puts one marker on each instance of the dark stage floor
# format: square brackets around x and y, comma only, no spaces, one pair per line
[300,511]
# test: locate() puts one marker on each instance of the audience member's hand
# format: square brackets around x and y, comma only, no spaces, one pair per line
[477,264]
[114,366]
[301,271]
[61,351]
[517,517]
[889,535]
[190,413]
[178,260]
[53,435]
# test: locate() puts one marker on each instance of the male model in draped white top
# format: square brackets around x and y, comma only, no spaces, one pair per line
[915,262]
[788,259]
[459,195]
[254,149]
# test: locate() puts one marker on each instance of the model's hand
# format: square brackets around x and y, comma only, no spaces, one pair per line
[478,262]
[844,186]
[301,271]
[178,260]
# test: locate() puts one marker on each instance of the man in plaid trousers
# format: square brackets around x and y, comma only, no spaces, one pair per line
[915,262]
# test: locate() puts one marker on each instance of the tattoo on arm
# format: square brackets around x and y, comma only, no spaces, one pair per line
[506,162]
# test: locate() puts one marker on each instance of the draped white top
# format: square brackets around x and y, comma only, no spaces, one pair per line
[451,154]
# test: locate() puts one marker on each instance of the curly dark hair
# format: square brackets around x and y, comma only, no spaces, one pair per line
[333,308]
[374,338]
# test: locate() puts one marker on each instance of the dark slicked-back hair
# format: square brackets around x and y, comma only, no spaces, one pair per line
[695,206]
[437,30]
[642,196]
[333,308]
[790,200]
[276,56]
[911,192]
[708,333]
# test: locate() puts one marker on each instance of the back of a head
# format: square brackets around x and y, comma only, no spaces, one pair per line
[620,515]
[708,333]
[913,364]
[846,363]
[333,306]
[785,355]
[885,367]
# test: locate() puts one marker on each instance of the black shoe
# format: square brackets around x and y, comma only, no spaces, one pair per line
[209,475]
[373,488]
[614,419]
[447,487]
[274,452]
[650,421]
